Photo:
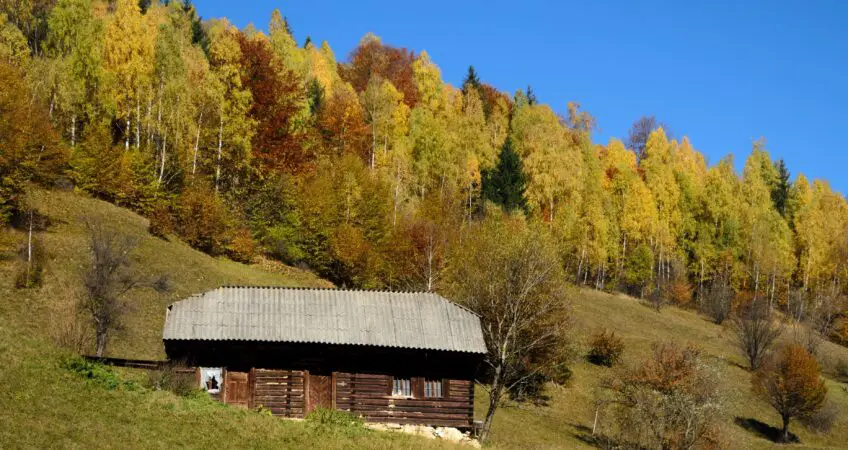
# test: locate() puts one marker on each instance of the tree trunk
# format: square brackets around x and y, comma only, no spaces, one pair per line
[73,129]
[580,265]
[196,143]
[218,162]
[784,433]
[100,342]
[128,131]
[373,148]
[595,422]
[494,400]
[148,132]
[137,122]
[162,160]
[29,250]
[396,198]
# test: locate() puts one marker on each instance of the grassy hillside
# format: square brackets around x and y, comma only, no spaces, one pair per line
[44,405]
[567,421]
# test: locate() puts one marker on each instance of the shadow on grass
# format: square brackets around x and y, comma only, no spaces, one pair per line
[584,434]
[764,430]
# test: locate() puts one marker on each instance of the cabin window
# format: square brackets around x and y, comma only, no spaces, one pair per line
[211,379]
[432,388]
[402,387]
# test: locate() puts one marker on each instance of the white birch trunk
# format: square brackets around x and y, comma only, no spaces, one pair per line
[196,144]
[137,122]
[220,151]
[162,161]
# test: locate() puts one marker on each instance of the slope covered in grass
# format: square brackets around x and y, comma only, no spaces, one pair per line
[44,405]
[567,421]
[184,270]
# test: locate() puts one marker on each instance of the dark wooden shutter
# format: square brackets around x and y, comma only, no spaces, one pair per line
[445,388]
[418,387]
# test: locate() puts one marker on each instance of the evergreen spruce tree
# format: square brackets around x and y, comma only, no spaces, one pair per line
[531,96]
[780,192]
[471,79]
[506,183]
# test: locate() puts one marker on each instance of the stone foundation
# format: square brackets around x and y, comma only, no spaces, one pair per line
[445,433]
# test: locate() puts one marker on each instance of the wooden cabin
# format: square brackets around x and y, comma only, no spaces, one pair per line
[394,357]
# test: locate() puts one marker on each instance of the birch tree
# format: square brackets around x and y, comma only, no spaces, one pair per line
[509,275]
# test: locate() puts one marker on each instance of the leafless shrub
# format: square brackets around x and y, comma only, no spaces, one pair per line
[106,279]
[668,401]
[756,331]
[796,305]
[825,311]
[808,337]
[718,300]
[174,377]
[69,327]
[842,368]
[822,420]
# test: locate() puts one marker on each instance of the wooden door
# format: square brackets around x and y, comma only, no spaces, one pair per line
[320,389]
[237,389]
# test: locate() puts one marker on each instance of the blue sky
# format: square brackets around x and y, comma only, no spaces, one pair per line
[723,73]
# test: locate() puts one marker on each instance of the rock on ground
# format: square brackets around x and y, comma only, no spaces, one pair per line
[446,433]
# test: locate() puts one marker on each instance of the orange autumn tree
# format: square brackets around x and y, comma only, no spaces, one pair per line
[791,383]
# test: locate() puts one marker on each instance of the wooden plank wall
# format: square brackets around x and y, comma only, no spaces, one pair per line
[367,395]
[281,391]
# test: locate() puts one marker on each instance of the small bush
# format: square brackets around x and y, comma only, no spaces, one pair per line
[261,409]
[680,292]
[822,420]
[98,374]
[242,247]
[561,374]
[670,400]
[161,222]
[69,327]
[31,263]
[717,301]
[201,219]
[756,332]
[530,388]
[842,369]
[172,378]
[328,417]
[606,349]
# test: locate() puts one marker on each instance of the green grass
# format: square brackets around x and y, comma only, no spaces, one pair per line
[44,405]
[567,421]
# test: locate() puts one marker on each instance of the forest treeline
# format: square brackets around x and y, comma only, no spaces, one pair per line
[372,170]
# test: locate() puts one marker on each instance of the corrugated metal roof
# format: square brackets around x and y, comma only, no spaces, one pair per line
[419,320]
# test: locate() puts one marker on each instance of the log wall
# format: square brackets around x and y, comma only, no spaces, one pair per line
[369,396]
[280,391]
